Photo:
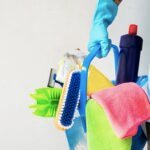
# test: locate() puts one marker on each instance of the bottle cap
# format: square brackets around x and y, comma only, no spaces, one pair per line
[133,29]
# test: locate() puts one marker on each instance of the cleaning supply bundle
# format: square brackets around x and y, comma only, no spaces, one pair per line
[113,114]
[94,130]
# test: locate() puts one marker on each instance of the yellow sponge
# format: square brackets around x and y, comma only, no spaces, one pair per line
[97,81]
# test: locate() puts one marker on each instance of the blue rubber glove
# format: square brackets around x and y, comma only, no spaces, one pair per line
[105,13]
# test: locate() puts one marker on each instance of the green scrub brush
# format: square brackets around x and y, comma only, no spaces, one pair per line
[46,101]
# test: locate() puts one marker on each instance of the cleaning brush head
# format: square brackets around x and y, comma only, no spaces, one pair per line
[46,101]
[69,101]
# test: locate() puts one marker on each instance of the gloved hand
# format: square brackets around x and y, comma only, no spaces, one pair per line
[105,13]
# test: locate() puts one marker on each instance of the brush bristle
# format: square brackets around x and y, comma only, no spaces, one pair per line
[69,101]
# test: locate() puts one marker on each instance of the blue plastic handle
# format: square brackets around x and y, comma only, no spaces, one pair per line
[116,57]
[84,76]
[148,90]
[142,80]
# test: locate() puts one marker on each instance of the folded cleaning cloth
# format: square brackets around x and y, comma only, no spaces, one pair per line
[105,13]
[100,135]
[126,107]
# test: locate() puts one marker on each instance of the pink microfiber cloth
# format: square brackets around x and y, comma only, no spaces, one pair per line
[126,107]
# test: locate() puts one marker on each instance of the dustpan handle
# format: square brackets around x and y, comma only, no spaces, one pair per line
[84,76]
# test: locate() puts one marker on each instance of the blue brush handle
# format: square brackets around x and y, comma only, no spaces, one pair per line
[84,76]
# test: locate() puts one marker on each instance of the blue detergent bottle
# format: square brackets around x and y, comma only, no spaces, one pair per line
[130,49]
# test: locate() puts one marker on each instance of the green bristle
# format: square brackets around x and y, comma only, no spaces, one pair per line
[40,98]
[46,101]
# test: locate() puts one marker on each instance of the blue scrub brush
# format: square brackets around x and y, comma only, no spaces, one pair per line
[68,102]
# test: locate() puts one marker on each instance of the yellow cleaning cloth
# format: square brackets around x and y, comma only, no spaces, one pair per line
[96,81]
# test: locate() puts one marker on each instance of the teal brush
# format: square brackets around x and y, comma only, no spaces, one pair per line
[69,101]
[47,100]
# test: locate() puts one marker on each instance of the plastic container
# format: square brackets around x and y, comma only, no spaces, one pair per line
[130,49]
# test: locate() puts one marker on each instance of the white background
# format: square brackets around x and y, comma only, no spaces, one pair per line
[34,34]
